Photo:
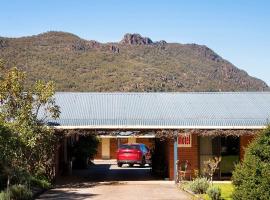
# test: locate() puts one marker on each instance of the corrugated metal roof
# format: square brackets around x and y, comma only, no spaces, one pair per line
[163,110]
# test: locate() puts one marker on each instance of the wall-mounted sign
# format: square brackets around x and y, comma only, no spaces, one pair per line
[184,140]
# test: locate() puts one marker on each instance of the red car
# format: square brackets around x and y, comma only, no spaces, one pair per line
[133,154]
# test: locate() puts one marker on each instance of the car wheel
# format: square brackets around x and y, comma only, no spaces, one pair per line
[131,165]
[143,162]
[119,164]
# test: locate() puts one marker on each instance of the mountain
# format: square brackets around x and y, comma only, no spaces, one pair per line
[135,63]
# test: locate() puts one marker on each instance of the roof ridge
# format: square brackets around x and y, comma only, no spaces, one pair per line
[148,93]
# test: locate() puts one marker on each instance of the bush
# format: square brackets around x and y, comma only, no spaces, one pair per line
[83,150]
[16,192]
[20,192]
[214,193]
[199,185]
[251,178]
[41,183]
[4,195]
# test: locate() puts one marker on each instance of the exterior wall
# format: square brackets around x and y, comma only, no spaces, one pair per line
[244,142]
[131,140]
[191,154]
[105,148]
[170,158]
[113,147]
[99,150]
[150,142]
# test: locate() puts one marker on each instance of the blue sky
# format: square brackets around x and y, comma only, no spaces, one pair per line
[238,30]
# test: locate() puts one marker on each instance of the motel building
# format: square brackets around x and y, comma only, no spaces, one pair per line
[178,127]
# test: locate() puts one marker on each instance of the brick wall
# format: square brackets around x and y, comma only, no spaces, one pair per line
[99,150]
[113,148]
[191,154]
[150,142]
[170,158]
[244,142]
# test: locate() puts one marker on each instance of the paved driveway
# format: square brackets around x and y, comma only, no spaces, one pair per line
[106,181]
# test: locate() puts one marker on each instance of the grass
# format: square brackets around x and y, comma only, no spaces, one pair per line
[226,190]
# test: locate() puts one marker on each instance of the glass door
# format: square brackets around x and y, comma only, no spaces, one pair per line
[230,155]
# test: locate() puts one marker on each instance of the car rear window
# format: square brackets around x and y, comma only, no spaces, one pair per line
[130,147]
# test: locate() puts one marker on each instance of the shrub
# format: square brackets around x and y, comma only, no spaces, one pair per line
[42,183]
[214,193]
[251,178]
[83,150]
[4,195]
[199,185]
[20,192]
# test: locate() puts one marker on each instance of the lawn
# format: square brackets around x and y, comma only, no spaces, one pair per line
[226,191]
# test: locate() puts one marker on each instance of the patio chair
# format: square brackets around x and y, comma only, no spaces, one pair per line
[184,169]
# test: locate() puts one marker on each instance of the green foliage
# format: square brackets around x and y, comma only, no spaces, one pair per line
[26,143]
[16,192]
[214,192]
[84,150]
[20,192]
[251,178]
[41,183]
[4,195]
[199,185]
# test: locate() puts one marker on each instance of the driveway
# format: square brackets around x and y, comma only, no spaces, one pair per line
[105,180]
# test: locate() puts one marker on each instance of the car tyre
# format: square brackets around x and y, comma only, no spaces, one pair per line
[143,162]
[119,164]
[131,165]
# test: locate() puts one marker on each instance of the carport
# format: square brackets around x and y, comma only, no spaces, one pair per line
[105,167]
[190,125]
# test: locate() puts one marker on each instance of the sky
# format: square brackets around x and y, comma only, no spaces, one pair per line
[238,30]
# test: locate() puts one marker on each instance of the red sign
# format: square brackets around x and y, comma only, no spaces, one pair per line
[184,140]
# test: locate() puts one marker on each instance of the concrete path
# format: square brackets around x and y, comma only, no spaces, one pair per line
[110,182]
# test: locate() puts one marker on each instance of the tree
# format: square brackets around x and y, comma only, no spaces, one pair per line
[84,150]
[252,177]
[25,139]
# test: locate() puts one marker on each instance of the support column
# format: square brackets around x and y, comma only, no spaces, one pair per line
[175,156]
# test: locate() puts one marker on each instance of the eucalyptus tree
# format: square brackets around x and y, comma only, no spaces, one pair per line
[26,142]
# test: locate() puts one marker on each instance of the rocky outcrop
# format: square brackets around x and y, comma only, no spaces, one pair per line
[135,39]
[161,42]
[3,43]
[81,45]
[114,49]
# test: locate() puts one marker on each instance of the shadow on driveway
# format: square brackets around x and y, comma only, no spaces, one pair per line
[102,171]
[105,180]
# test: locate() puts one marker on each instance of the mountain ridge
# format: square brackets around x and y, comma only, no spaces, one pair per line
[135,63]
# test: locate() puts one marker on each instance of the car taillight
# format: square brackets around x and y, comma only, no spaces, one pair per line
[139,154]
